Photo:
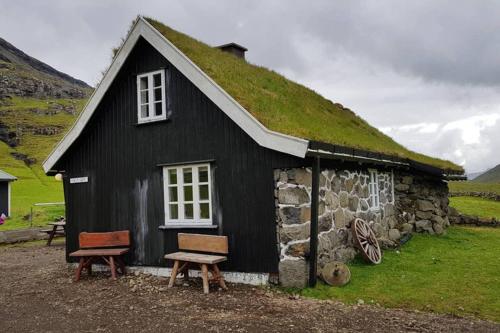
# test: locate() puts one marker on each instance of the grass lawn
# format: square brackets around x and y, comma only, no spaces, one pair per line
[474,187]
[458,273]
[476,206]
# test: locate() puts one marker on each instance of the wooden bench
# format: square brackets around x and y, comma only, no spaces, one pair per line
[199,243]
[106,246]
[58,228]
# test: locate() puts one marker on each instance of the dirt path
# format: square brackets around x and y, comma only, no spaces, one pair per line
[37,294]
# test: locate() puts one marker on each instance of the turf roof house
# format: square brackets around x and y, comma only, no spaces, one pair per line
[183,137]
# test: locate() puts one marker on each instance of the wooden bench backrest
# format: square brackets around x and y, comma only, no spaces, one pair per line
[203,243]
[104,239]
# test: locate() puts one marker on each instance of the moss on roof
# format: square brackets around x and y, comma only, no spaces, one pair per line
[288,107]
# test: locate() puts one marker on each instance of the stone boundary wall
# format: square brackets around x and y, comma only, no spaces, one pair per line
[408,203]
[21,235]
[484,195]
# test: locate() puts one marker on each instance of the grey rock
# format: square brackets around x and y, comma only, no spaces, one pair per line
[293,215]
[293,273]
[294,232]
[343,199]
[344,254]
[438,228]
[425,205]
[293,196]
[406,227]
[424,215]
[336,184]
[378,229]
[438,219]
[332,200]
[402,187]
[300,176]
[340,220]
[389,210]
[424,225]
[364,205]
[394,235]
[300,249]
[353,203]
[325,223]
[349,183]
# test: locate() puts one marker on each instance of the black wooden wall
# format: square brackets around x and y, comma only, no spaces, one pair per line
[125,189]
[4,198]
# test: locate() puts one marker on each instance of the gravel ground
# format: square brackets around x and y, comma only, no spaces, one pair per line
[37,293]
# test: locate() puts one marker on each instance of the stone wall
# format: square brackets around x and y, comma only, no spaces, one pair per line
[407,204]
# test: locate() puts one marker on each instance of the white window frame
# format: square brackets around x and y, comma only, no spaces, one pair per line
[181,220]
[151,103]
[373,189]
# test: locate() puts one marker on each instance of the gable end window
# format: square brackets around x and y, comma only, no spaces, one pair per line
[151,104]
[374,190]
[188,194]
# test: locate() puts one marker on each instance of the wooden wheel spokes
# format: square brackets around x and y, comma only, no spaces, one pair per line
[366,241]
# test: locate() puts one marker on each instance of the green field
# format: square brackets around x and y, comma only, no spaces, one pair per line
[457,273]
[32,185]
[470,186]
[476,206]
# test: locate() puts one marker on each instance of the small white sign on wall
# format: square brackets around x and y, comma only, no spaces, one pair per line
[78,180]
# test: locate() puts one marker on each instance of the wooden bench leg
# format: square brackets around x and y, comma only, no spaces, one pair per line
[219,277]
[51,235]
[204,275]
[173,275]
[113,267]
[79,269]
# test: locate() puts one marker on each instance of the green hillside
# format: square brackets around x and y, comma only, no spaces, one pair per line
[24,160]
[490,176]
[38,104]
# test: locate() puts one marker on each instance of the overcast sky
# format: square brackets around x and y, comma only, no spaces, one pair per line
[426,73]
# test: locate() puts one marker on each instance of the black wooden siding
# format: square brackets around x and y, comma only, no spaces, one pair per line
[4,198]
[125,188]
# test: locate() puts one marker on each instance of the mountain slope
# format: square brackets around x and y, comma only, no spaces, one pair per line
[490,176]
[37,106]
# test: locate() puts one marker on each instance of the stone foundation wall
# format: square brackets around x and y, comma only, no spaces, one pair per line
[407,204]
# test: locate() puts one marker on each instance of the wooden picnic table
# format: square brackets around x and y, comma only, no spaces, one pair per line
[58,228]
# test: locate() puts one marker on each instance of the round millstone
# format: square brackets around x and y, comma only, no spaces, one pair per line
[336,274]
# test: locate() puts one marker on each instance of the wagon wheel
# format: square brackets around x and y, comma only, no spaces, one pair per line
[366,241]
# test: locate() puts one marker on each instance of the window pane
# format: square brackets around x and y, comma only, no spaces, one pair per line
[172,176]
[188,176]
[172,194]
[203,192]
[144,97]
[203,174]
[157,94]
[204,211]
[144,111]
[188,211]
[158,110]
[144,83]
[157,80]
[174,211]
[188,193]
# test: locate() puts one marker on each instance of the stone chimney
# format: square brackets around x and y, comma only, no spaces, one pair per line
[234,49]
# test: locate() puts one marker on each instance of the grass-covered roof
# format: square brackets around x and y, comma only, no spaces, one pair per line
[288,107]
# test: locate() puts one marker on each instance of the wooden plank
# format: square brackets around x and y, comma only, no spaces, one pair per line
[196,257]
[104,239]
[99,252]
[203,243]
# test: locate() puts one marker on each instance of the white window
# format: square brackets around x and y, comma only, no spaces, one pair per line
[188,194]
[373,189]
[151,96]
